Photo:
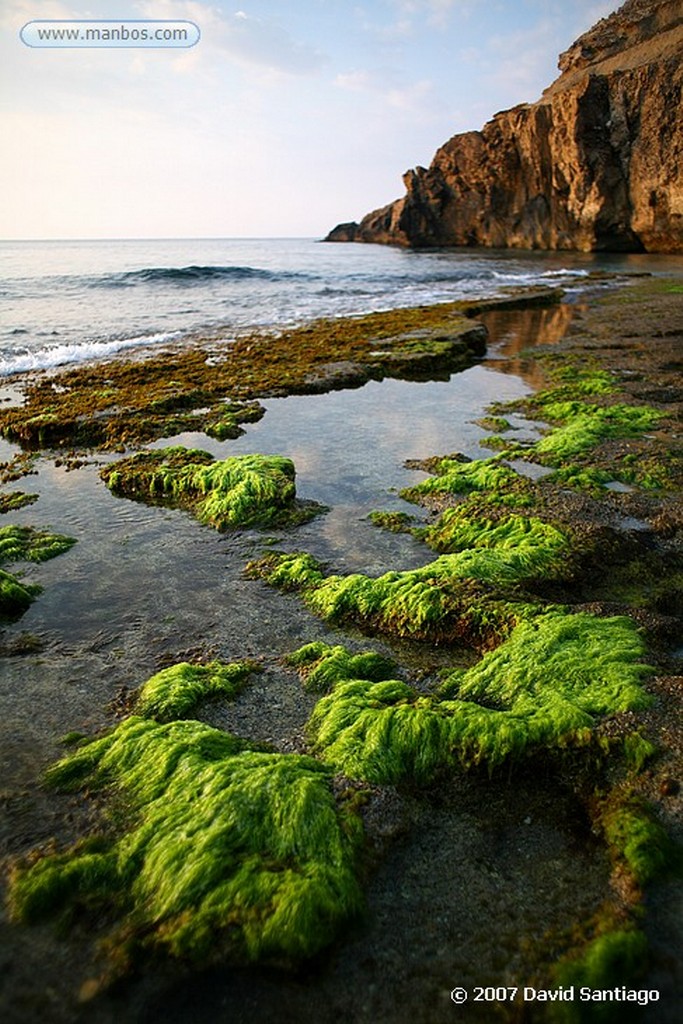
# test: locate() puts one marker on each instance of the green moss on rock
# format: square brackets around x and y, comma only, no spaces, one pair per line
[636,840]
[15,596]
[571,380]
[395,522]
[226,848]
[420,602]
[175,692]
[612,960]
[580,478]
[528,546]
[546,687]
[22,543]
[580,663]
[497,424]
[322,665]
[13,500]
[224,422]
[453,476]
[443,599]
[245,490]
[584,426]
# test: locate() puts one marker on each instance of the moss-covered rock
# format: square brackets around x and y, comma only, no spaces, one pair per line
[224,848]
[636,840]
[175,691]
[583,426]
[26,544]
[442,600]
[22,543]
[321,666]
[610,961]
[13,500]
[459,476]
[546,687]
[529,546]
[245,490]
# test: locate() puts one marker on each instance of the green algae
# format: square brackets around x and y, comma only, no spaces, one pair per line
[245,490]
[612,960]
[322,665]
[25,543]
[442,599]
[591,664]
[547,686]
[14,500]
[498,424]
[636,840]
[420,602]
[663,471]
[395,522]
[175,691]
[227,420]
[454,476]
[584,426]
[580,478]
[539,548]
[298,570]
[15,596]
[22,543]
[227,849]
[570,380]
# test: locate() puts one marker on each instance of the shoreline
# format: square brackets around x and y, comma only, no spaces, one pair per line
[640,359]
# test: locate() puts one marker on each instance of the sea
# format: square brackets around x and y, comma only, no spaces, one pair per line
[67,302]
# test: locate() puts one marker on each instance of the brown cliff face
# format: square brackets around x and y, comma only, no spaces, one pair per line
[595,164]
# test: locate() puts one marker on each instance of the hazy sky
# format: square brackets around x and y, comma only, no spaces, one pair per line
[286,117]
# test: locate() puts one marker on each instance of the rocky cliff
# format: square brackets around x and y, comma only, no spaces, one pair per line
[595,164]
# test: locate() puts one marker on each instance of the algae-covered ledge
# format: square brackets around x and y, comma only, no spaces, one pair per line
[213,384]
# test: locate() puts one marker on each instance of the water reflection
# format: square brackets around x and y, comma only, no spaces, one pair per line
[349,449]
[514,332]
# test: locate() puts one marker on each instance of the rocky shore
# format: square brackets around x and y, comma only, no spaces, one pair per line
[470,772]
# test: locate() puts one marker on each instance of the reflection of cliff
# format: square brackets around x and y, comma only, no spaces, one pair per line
[512,332]
[595,164]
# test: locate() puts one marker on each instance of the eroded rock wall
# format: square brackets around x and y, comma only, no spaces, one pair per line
[595,164]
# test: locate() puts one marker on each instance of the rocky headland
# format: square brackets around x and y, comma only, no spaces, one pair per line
[594,165]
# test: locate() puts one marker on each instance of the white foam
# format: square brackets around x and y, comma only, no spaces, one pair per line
[58,355]
[534,278]
[564,273]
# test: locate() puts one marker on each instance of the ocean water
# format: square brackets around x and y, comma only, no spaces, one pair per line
[67,302]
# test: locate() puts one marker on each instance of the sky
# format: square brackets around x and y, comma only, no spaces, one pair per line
[285,119]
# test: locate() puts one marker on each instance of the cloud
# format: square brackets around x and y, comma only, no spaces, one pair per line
[254,43]
[384,87]
[267,45]
[17,13]
[436,13]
